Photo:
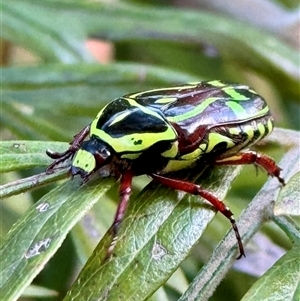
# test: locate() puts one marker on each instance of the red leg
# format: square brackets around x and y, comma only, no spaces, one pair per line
[251,157]
[124,193]
[74,146]
[197,190]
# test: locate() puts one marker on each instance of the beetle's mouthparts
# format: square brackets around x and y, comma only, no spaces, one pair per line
[78,171]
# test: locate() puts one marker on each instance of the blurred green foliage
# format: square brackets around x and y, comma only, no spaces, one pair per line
[155,44]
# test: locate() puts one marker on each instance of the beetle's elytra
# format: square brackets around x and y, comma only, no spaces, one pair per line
[165,130]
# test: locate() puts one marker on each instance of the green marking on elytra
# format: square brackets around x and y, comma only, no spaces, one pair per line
[196,111]
[216,83]
[238,110]
[234,94]
[262,112]
[165,100]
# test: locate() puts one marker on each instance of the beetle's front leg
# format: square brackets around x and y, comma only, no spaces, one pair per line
[74,146]
[251,157]
[124,193]
[197,190]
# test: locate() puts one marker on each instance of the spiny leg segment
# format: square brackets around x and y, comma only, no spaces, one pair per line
[251,157]
[248,157]
[197,190]
[124,193]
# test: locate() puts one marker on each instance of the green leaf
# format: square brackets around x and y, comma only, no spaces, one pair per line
[63,27]
[18,155]
[36,96]
[92,227]
[38,291]
[54,101]
[256,213]
[280,282]
[288,200]
[39,233]
[158,231]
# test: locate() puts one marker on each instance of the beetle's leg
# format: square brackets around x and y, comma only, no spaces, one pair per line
[74,146]
[197,190]
[124,193]
[251,157]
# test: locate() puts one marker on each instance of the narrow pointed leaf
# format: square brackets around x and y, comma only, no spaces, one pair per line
[36,96]
[18,154]
[281,282]
[65,26]
[157,234]
[36,237]
[288,200]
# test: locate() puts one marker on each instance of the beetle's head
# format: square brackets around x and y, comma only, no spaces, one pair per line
[92,155]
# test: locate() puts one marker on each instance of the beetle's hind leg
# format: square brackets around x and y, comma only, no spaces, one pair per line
[197,190]
[251,157]
[74,146]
